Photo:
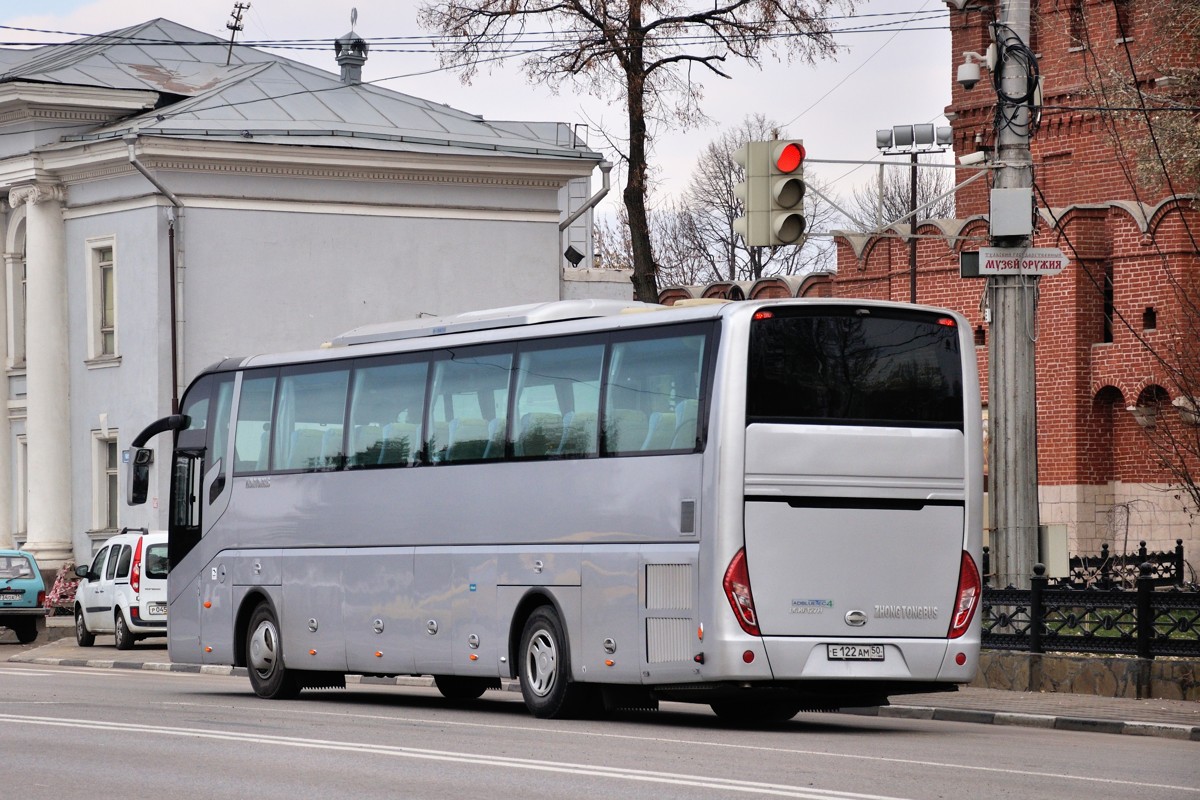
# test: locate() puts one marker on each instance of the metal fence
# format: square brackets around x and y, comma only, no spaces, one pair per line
[1146,622]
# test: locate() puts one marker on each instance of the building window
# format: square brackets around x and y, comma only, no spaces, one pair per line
[107,465]
[1109,307]
[103,311]
[1078,26]
[1124,11]
[1149,319]
[16,311]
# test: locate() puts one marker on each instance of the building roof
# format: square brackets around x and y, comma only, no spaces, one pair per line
[265,97]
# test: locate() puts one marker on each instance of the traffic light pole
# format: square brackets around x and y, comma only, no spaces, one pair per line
[1012,300]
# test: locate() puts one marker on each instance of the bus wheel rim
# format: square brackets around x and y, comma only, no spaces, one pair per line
[264,648]
[542,663]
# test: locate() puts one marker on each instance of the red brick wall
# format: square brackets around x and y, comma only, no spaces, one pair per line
[1085,166]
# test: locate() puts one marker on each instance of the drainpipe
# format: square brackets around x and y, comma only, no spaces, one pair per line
[175,215]
[605,168]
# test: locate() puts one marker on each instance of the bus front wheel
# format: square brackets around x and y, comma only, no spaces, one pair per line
[264,652]
[545,668]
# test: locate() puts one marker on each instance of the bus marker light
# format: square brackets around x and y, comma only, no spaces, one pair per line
[700,632]
[960,659]
[473,657]
[748,656]
[208,649]
[312,652]
[698,658]
[947,321]
[761,315]
[208,603]
[378,654]
[608,662]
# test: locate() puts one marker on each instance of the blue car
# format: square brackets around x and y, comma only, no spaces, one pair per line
[22,595]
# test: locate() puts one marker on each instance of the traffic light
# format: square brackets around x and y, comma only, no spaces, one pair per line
[753,225]
[786,169]
[773,193]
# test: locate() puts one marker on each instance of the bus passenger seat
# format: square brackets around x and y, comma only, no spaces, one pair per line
[496,431]
[396,444]
[579,434]
[539,435]
[661,431]
[366,444]
[331,446]
[468,439]
[685,425]
[625,429]
[305,452]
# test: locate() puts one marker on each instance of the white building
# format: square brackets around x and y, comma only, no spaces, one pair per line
[278,203]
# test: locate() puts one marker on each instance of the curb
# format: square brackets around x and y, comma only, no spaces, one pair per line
[1061,723]
[1085,724]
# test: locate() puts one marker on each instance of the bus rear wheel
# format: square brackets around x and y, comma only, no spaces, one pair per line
[545,668]
[264,653]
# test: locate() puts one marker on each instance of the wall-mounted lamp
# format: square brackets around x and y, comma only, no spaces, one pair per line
[573,255]
[1145,416]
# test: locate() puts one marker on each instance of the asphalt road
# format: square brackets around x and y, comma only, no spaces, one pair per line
[80,733]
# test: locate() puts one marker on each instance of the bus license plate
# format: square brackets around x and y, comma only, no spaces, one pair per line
[157,609]
[854,652]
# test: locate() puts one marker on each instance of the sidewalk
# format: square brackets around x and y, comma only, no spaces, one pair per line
[1172,719]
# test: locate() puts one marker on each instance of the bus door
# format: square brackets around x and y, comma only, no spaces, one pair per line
[199,495]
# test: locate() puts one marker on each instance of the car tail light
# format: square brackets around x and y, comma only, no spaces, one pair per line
[42,599]
[737,589]
[135,577]
[969,589]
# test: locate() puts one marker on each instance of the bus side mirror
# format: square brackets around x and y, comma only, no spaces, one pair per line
[140,459]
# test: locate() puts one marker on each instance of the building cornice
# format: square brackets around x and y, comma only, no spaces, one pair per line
[97,161]
[44,98]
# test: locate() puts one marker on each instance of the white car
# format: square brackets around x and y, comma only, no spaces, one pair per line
[124,590]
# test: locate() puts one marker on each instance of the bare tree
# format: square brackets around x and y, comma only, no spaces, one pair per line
[638,51]
[693,237]
[932,183]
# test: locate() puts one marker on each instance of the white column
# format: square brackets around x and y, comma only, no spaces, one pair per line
[48,385]
[6,448]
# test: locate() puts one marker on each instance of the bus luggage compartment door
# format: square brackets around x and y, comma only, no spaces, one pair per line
[859,568]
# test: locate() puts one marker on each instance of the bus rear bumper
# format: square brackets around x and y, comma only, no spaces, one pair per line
[937,660]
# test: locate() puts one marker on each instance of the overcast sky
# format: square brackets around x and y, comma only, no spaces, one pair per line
[896,75]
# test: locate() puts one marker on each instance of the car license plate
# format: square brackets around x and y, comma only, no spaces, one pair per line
[10,596]
[157,609]
[854,652]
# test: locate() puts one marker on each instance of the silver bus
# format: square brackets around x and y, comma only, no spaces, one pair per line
[763,506]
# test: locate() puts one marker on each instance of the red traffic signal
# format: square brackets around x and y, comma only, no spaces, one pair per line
[789,157]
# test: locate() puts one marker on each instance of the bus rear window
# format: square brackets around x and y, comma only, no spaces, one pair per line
[854,367]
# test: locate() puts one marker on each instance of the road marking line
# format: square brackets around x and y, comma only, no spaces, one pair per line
[620,773]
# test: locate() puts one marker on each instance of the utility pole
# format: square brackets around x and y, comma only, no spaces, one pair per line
[1012,300]
[235,25]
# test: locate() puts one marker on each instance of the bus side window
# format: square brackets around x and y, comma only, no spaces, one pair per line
[557,402]
[386,409]
[308,419]
[252,432]
[652,396]
[470,389]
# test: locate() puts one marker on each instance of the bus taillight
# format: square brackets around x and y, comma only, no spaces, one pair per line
[969,590]
[737,589]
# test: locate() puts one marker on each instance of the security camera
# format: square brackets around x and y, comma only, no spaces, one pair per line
[967,159]
[968,75]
